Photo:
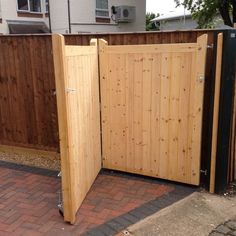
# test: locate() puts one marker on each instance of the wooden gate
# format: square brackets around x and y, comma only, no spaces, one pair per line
[77,91]
[151,106]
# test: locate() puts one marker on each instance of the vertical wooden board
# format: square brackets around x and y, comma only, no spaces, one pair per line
[146,97]
[174,100]
[138,111]
[198,108]
[105,102]
[62,103]
[129,94]
[216,111]
[155,116]
[166,61]
[117,116]
[185,96]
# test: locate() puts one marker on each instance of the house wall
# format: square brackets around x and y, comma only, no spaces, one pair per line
[83,18]
[59,16]
[9,12]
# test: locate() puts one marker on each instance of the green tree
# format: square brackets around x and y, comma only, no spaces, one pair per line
[151,25]
[204,11]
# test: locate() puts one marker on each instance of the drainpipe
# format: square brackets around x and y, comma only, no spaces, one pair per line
[49,17]
[68,3]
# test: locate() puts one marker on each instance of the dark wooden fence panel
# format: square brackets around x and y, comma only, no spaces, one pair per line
[28,114]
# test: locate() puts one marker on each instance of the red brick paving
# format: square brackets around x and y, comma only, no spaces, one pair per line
[28,202]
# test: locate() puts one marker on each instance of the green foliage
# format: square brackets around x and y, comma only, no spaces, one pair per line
[205,11]
[150,26]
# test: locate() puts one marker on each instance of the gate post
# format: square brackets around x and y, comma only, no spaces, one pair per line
[225,110]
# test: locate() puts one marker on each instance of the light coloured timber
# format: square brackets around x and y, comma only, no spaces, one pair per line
[71,51]
[151,103]
[199,81]
[77,88]
[216,111]
[160,48]
[58,43]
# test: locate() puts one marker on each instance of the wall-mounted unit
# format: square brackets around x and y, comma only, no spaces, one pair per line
[124,14]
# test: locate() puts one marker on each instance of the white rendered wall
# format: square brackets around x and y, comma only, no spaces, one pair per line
[83,17]
[59,16]
[9,12]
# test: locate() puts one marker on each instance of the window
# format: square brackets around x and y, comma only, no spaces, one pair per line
[47,6]
[102,8]
[23,5]
[29,5]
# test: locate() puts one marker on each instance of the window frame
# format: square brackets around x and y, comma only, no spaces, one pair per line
[29,10]
[103,10]
[46,4]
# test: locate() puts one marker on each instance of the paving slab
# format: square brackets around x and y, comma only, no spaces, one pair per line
[196,215]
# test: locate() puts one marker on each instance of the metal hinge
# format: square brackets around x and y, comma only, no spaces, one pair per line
[203,172]
[201,78]
[210,46]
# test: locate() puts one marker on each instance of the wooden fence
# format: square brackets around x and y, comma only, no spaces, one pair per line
[28,111]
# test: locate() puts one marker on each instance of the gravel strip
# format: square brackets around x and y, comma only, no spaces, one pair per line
[51,163]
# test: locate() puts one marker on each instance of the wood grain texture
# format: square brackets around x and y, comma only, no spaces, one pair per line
[28,111]
[216,110]
[28,115]
[77,88]
[152,105]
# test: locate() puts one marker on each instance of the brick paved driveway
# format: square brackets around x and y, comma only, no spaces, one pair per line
[29,198]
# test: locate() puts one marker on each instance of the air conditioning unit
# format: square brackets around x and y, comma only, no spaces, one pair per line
[125,14]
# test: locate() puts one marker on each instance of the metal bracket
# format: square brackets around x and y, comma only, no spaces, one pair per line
[211,46]
[203,172]
[60,199]
[201,78]
[68,90]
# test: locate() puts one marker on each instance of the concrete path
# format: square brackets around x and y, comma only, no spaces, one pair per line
[196,215]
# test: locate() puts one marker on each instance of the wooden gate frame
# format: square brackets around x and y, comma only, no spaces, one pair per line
[76,151]
[198,52]
[61,73]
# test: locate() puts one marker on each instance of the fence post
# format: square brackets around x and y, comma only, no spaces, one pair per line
[58,43]
[225,111]
[216,111]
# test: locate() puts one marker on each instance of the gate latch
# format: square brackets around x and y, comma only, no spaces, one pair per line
[68,90]
[203,172]
[201,78]
[211,46]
